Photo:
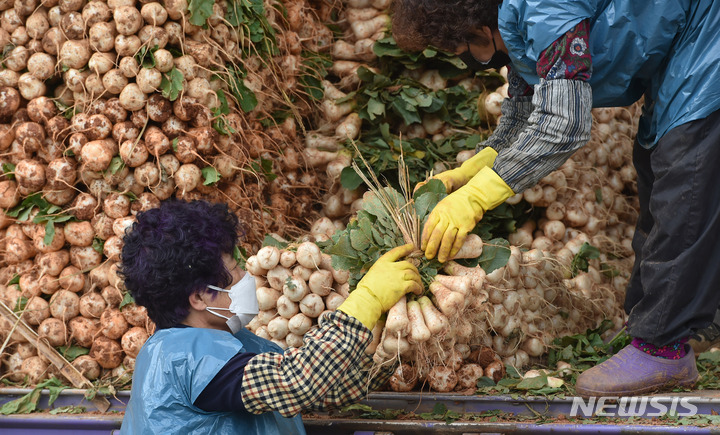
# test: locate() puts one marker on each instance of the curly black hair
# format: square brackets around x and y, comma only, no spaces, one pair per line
[175,250]
[444,24]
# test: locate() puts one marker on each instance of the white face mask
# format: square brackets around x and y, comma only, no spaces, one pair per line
[243,303]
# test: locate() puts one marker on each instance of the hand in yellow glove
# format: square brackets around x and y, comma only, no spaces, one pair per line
[458,213]
[457,178]
[382,286]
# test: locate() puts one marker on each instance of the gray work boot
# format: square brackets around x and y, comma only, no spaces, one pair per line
[708,337]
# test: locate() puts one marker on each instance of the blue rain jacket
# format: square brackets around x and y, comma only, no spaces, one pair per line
[668,50]
[174,367]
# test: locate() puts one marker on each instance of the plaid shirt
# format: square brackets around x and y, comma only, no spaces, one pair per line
[329,371]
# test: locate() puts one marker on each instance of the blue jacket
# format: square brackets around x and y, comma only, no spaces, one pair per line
[174,367]
[667,50]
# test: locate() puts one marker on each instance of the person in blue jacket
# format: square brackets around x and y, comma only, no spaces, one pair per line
[564,58]
[202,371]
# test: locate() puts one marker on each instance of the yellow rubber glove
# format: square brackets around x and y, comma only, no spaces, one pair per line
[458,213]
[382,286]
[457,178]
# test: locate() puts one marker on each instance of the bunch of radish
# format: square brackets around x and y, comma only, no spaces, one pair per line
[460,371]
[297,285]
[294,287]
[135,98]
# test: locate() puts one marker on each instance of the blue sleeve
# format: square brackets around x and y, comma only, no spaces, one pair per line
[224,392]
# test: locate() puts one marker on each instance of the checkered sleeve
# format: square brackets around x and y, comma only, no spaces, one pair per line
[357,382]
[323,371]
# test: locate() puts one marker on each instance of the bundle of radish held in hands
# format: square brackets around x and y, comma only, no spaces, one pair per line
[435,333]
[294,287]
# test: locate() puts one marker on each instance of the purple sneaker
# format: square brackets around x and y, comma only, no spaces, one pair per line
[632,372]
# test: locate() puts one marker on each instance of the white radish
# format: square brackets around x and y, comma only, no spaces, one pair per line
[278,328]
[267,298]
[449,302]
[395,344]
[286,307]
[472,248]
[320,282]
[287,258]
[397,318]
[377,335]
[276,277]
[333,301]
[442,379]
[295,289]
[312,305]
[252,265]
[294,340]
[268,257]
[300,324]
[302,272]
[460,284]
[419,332]
[309,255]
[437,323]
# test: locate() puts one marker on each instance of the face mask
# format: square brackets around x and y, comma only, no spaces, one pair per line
[498,60]
[234,322]
[243,303]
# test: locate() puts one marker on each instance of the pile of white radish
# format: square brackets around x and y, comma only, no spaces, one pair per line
[133,98]
[90,128]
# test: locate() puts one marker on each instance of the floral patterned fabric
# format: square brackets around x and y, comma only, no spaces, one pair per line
[568,57]
[517,86]
[674,350]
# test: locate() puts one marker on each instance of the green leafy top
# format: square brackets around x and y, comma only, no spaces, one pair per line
[374,232]
[249,15]
[210,175]
[366,238]
[8,170]
[146,55]
[29,402]
[48,214]
[245,97]
[394,59]
[200,11]
[389,104]
[580,261]
[586,350]
[312,72]
[172,84]
[220,123]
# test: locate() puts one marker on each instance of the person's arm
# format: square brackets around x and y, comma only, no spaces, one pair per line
[561,120]
[355,383]
[226,391]
[515,113]
[312,376]
[320,373]
[559,124]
